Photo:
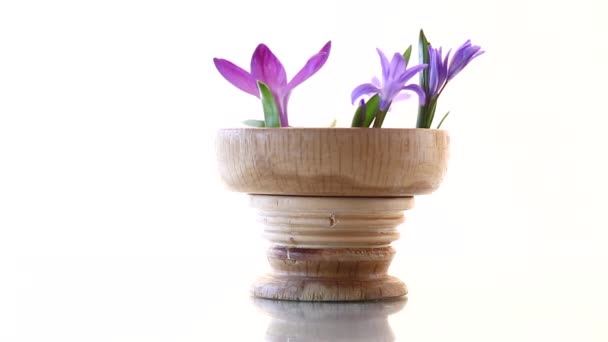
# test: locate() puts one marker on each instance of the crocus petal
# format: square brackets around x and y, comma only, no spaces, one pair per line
[402,97]
[434,70]
[418,90]
[459,55]
[312,66]
[266,67]
[363,89]
[409,73]
[437,71]
[480,52]
[463,56]
[385,65]
[237,76]
[444,68]
[376,82]
[446,58]
[282,100]
[394,76]
[397,65]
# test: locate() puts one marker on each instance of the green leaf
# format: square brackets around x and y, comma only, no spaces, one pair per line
[407,54]
[440,122]
[372,107]
[357,120]
[426,120]
[423,57]
[333,123]
[254,123]
[271,111]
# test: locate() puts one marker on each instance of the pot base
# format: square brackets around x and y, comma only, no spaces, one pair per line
[327,290]
[330,248]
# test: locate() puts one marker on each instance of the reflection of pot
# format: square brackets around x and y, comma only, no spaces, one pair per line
[330,200]
[306,321]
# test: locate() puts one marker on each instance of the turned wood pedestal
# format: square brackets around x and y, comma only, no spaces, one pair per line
[330,201]
[330,248]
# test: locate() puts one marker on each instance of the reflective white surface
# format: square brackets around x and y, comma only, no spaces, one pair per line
[305,321]
[462,299]
[183,298]
[113,226]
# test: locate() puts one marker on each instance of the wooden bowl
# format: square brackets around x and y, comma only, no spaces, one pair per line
[364,162]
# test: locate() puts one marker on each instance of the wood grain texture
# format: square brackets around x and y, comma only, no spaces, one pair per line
[329,274]
[332,161]
[330,248]
[343,222]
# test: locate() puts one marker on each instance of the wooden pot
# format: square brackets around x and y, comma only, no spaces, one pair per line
[330,200]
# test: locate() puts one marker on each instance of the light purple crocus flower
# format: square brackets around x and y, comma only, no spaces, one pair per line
[394,76]
[266,68]
[443,70]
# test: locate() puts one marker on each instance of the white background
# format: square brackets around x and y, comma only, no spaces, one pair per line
[113,225]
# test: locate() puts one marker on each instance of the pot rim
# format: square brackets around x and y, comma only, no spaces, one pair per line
[328,128]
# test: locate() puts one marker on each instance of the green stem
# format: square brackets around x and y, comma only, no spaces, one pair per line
[426,114]
[420,121]
[440,122]
[431,112]
[380,118]
[433,106]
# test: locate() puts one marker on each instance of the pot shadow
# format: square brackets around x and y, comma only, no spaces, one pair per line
[329,321]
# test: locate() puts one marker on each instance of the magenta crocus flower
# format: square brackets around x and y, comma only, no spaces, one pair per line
[266,68]
[443,70]
[394,76]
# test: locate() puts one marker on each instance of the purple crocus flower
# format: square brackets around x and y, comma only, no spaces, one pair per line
[443,70]
[266,68]
[394,76]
